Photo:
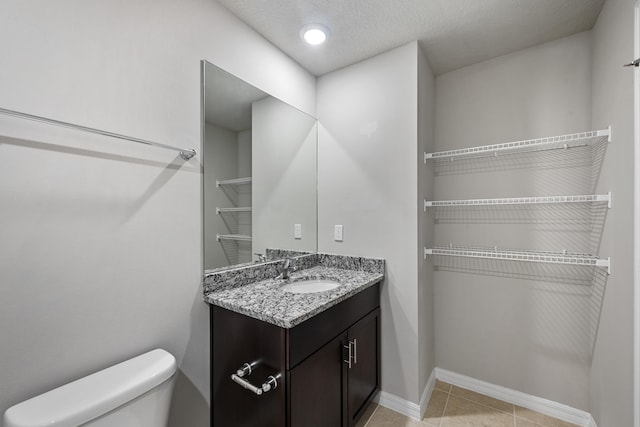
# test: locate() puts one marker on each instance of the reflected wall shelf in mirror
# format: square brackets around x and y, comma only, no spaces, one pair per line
[231,210]
[233,237]
[237,181]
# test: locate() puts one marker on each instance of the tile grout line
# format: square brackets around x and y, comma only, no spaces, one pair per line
[513,408]
[515,417]
[485,405]
[444,410]
[371,416]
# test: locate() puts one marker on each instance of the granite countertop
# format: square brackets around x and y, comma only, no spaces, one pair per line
[265,300]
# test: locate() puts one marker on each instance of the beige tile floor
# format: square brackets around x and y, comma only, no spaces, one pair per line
[452,406]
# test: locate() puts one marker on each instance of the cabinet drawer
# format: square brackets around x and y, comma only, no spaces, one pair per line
[309,336]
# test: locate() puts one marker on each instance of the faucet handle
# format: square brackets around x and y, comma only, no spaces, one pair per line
[285,265]
[286,268]
[289,263]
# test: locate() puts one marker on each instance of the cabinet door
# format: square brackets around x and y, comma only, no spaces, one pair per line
[315,387]
[364,374]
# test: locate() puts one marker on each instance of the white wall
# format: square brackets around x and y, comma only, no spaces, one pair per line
[101,242]
[368,138]
[284,177]
[524,327]
[426,127]
[611,385]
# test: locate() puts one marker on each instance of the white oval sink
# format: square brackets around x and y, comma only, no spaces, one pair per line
[310,286]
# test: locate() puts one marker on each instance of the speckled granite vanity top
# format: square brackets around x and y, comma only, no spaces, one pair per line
[254,291]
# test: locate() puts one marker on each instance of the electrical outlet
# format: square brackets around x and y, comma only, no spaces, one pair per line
[297,231]
[337,233]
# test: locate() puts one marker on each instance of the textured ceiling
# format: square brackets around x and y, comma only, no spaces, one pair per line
[452,33]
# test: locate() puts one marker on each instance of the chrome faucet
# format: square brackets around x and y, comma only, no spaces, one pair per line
[287,269]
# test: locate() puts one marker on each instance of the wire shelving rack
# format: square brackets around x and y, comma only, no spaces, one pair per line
[536,200]
[549,143]
[549,257]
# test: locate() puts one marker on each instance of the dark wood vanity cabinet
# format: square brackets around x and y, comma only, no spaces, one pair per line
[325,390]
[318,386]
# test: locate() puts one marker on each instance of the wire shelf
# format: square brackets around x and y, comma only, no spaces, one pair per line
[587,198]
[234,237]
[549,143]
[564,257]
[237,181]
[224,210]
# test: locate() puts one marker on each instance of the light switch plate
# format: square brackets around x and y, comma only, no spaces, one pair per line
[337,233]
[297,231]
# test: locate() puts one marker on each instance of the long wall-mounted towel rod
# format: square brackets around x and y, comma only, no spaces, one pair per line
[185,154]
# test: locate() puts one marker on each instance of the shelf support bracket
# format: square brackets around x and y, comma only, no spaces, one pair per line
[605,262]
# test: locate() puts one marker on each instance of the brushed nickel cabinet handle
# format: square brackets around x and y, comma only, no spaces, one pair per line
[348,361]
[355,351]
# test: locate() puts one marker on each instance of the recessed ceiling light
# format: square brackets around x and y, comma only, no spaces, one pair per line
[314,34]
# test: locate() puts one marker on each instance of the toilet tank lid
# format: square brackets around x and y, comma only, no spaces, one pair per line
[94,395]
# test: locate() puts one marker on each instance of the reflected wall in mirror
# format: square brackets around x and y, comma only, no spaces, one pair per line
[260,168]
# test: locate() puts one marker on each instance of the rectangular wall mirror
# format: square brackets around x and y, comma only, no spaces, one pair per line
[260,174]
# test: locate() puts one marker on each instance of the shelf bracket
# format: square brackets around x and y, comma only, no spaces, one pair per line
[605,132]
[605,262]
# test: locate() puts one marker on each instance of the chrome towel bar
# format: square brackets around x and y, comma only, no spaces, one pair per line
[185,154]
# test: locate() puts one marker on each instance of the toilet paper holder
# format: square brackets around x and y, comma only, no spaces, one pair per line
[271,383]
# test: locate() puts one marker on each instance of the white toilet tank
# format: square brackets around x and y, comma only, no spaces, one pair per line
[134,393]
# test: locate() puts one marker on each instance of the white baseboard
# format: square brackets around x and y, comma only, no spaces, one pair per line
[426,394]
[399,405]
[405,407]
[538,404]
